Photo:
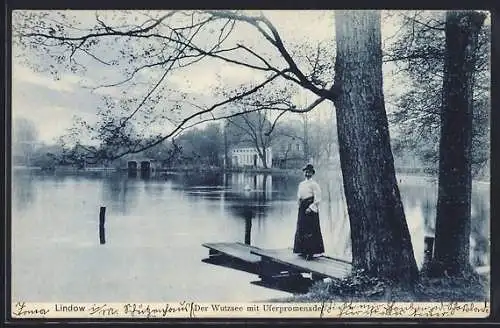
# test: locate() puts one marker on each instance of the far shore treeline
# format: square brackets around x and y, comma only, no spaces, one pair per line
[209,148]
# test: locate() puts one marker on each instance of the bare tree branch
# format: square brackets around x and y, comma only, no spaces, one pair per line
[436,27]
[271,129]
[192,116]
[185,52]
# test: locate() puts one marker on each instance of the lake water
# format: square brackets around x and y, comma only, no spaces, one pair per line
[155,227]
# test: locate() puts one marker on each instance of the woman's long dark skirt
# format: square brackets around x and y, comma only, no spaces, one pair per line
[308,238]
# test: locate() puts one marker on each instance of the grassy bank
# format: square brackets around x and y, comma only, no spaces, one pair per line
[361,288]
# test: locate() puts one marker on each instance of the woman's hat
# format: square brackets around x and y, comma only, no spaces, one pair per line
[309,167]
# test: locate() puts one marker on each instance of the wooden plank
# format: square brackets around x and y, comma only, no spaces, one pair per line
[236,250]
[323,266]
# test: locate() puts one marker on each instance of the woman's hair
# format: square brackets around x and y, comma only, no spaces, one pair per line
[309,168]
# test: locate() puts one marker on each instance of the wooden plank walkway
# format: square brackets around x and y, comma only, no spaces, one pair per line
[321,266]
[238,251]
[277,268]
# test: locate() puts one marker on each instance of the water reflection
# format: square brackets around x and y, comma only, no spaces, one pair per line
[428,207]
[171,214]
[333,210]
[22,190]
[120,192]
[246,197]
[480,228]
[245,208]
[264,199]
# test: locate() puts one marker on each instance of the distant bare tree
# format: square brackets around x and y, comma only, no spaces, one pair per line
[254,129]
[24,139]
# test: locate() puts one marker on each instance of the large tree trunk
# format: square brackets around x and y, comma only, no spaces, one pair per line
[454,190]
[381,243]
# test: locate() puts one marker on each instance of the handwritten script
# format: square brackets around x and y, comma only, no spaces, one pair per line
[411,310]
[187,309]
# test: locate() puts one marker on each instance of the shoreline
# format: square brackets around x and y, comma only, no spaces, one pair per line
[273,171]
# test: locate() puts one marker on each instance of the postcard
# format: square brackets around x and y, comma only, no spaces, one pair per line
[250,164]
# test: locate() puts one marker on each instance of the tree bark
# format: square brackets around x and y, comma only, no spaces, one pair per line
[381,243]
[453,212]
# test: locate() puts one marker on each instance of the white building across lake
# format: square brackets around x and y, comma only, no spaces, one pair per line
[248,156]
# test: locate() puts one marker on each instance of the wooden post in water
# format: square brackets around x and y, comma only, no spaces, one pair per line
[248,230]
[428,250]
[102,219]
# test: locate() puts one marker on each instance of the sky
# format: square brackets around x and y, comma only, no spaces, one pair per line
[53,104]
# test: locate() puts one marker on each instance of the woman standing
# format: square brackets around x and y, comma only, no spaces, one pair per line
[308,238]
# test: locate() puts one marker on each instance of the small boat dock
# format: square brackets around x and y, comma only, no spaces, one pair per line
[233,255]
[277,268]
